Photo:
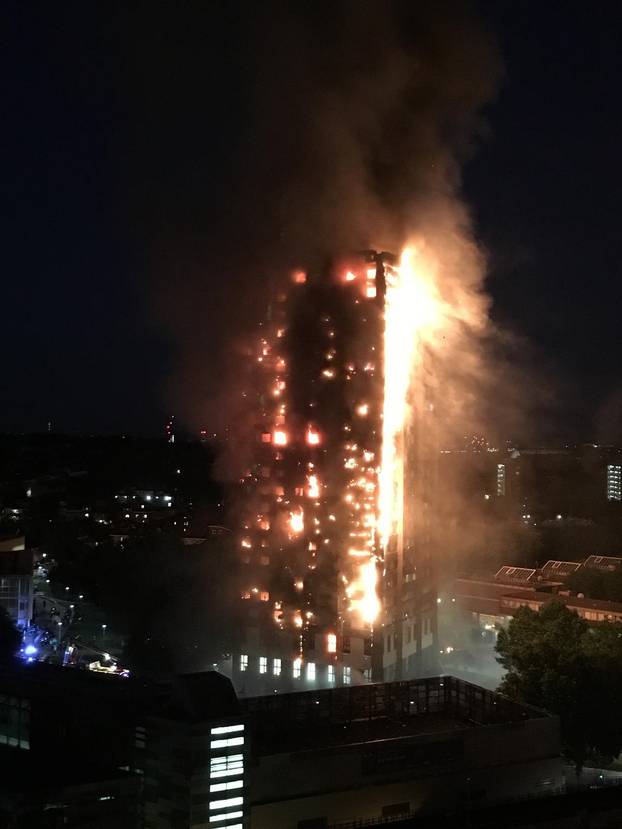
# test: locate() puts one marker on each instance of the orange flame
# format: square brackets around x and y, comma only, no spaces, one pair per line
[313,436]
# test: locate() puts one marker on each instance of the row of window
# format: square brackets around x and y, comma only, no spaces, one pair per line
[391,639]
[226,809]
[297,669]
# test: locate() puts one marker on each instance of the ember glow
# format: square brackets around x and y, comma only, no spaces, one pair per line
[297,521]
[327,489]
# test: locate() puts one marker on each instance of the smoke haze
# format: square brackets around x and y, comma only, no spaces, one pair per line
[345,127]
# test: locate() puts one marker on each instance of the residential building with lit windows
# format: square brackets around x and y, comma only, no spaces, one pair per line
[614,482]
[185,753]
[272,661]
[194,757]
[313,560]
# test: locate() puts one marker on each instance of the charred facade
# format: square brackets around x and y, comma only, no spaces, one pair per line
[327,600]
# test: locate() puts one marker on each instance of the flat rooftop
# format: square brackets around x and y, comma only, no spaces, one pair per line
[378,711]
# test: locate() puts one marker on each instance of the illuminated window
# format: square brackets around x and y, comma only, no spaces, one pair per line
[243,661]
[264,596]
[263,664]
[331,674]
[231,765]
[311,671]
[226,804]
[276,667]
[226,729]
[297,668]
[347,675]
[331,643]
[226,787]
[501,479]
[228,743]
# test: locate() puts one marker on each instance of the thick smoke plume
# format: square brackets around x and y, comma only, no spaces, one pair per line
[351,124]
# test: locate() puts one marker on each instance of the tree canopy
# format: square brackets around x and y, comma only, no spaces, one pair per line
[555,660]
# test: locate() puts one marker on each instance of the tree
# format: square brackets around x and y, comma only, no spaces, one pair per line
[555,660]
[10,637]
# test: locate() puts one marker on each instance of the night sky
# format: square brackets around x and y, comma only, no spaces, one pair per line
[124,130]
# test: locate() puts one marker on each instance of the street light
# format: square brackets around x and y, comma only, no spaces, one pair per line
[104,632]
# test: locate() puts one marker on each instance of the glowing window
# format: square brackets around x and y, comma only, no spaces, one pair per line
[331,674]
[276,667]
[226,787]
[230,741]
[226,804]
[263,664]
[231,765]
[297,668]
[226,729]
[311,671]
[225,816]
[331,643]
[264,596]
[243,661]
[347,675]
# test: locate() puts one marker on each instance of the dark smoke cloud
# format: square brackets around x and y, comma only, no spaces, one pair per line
[280,133]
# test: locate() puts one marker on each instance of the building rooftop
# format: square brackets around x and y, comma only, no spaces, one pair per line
[569,601]
[202,696]
[355,714]
[512,575]
[602,562]
[554,567]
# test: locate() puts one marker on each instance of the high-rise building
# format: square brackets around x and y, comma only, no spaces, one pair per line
[322,581]
[614,482]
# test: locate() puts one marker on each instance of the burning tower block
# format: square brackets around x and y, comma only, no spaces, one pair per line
[336,539]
